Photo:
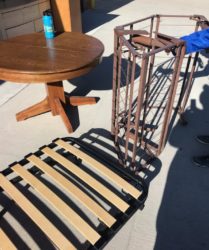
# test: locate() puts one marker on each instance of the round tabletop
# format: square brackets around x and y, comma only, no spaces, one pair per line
[32,58]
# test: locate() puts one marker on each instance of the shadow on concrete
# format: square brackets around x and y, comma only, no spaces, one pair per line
[201,70]
[102,141]
[100,78]
[92,19]
[109,5]
[183,214]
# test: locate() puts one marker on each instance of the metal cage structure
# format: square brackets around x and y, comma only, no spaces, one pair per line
[152,80]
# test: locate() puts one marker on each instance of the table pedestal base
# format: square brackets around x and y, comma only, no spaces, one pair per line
[56,102]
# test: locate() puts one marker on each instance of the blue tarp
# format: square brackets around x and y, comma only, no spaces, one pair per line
[196,41]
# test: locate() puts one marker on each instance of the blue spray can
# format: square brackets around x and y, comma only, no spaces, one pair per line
[48,24]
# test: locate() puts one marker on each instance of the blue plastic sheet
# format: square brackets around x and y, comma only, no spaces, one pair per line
[197,41]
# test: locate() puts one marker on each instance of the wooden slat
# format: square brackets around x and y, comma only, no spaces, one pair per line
[77,193]
[96,185]
[101,168]
[70,215]
[39,219]
[5,243]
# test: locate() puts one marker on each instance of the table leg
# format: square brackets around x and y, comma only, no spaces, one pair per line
[82,100]
[62,113]
[34,110]
[56,102]
[54,91]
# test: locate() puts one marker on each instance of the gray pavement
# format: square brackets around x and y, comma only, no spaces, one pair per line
[176,213]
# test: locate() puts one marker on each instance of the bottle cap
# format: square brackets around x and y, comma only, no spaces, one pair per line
[47,12]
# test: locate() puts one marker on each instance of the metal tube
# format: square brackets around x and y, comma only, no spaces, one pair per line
[136,129]
[114,84]
[128,79]
[189,83]
[139,104]
[127,136]
[177,70]
[139,20]
[119,56]
[183,87]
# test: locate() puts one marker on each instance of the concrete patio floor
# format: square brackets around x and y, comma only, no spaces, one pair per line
[176,213]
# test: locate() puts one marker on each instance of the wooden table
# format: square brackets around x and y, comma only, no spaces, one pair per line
[33,59]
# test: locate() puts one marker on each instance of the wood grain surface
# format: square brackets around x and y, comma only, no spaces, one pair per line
[32,58]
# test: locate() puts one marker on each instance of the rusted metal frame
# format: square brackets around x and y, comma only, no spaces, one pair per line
[151,34]
[163,41]
[153,56]
[180,16]
[170,39]
[151,27]
[189,83]
[159,117]
[123,32]
[128,45]
[123,41]
[167,47]
[159,107]
[157,25]
[138,21]
[129,66]
[119,63]
[150,73]
[114,84]
[151,63]
[171,97]
[199,18]
[157,88]
[183,87]
[120,35]
[156,34]
[174,84]
[161,103]
[141,89]
[115,103]
[149,76]
[127,133]
[131,35]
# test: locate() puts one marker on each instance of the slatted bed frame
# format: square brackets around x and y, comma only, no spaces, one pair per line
[71,155]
